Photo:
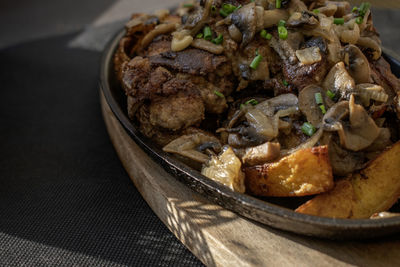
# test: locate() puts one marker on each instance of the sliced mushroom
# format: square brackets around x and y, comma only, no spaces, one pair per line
[343,7]
[304,19]
[359,133]
[158,30]
[328,10]
[368,92]
[357,64]
[309,107]
[207,46]
[282,102]
[273,16]
[349,32]
[261,154]
[297,6]
[382,142]
[339,81]
[308,56]
[191,146]
[235,34]
[343,161]
[246,21]
[368,42]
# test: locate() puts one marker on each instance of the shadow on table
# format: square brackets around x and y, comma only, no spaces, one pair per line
[64,196]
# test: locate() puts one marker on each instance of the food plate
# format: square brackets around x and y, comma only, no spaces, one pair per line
[262,211]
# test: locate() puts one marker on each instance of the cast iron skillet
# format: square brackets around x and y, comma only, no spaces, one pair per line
[245,205]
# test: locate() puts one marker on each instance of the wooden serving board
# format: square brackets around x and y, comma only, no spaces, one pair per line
[219,237]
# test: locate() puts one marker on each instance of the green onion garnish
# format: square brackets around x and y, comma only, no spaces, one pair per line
[359,20]
[223,13]
[188,5]
[354,9]
[318,99]
[283,33]
[228,9]
[330,94]
[264,34]
[218,40]
[218,94]
[338,21]
[316,11]
[199,35]
[308,129]
[281,23]
[251,101]
[278,3]
[363,9]
[207,33]
[323,109]
[256,61]
[242,106]
[285,83]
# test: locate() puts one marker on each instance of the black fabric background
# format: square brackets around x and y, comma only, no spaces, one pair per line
[64,197]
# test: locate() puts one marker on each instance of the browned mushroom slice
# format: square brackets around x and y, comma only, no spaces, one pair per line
[193,145]
[246,21]
[308,105]
[304,19]
[358,65]
[362,130]
[261,154]
[343,161]
[369,42]
[339,81]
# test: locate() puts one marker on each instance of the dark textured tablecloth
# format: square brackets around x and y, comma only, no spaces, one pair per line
[65,198]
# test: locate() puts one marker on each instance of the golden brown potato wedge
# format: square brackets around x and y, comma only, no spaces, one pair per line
[376,188]
[305,172]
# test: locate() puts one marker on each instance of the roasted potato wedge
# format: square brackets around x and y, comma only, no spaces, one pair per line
[305,172]
[376,188]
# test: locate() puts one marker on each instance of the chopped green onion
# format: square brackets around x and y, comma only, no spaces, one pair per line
[330,94]
[256,61]
[318,99]
[199,35]
[316,11]
[278,3]
[363,9]
[283,33]
[228,9]
[359,20]
[188,5]
[213,9]
[218,40]
[308,129]
[223,13]
[285,83]
[354,9]
[338,21]
[207,33]
[263,34]
[218,94]
[281,23]
[323,109]
[251,101]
